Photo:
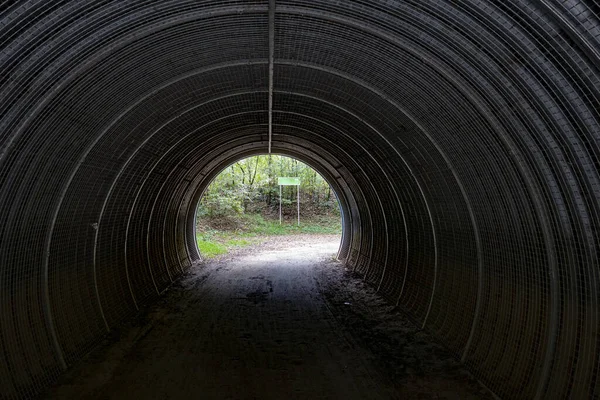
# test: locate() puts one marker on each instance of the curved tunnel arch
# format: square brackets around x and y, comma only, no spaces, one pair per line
[461,137]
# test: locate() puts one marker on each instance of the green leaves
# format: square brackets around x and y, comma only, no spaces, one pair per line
[250,185]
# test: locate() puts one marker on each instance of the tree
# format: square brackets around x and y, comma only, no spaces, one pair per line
[250,185]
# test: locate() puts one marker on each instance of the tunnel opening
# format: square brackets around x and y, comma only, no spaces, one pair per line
[261,196]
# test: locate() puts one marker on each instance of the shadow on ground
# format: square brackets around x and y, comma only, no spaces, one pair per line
[282,320]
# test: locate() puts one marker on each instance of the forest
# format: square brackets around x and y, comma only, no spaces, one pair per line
[250,186]
[241,205]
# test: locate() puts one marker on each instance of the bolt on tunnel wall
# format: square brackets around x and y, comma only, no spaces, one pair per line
[462,139]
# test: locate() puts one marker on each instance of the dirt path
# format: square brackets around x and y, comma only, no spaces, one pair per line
[281,321]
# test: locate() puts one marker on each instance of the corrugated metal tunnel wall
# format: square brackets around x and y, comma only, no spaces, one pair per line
[462,138]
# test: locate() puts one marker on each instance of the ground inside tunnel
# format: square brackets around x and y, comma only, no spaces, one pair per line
[281,320]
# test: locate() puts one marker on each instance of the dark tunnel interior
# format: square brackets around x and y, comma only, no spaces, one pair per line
[461,137]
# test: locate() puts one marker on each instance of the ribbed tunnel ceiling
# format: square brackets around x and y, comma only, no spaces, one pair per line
[462,138]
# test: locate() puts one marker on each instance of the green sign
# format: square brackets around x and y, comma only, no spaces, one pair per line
[289,181]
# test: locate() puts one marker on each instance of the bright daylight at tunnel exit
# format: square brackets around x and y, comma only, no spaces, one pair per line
[293,199]
[266,196]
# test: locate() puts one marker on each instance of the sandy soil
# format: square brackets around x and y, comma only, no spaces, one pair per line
[282,320]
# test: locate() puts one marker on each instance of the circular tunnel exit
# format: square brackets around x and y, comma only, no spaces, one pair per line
[262,196]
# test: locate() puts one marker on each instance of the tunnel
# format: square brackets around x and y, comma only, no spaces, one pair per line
[462,138]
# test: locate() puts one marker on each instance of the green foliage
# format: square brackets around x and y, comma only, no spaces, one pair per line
[256,224]
[241,205]
[219,204]
[250,185]
[213,242]
[211,249]
[238,243]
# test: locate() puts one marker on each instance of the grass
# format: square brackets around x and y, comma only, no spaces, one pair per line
[253,228]
[258,225]
[211,249]
[238,243]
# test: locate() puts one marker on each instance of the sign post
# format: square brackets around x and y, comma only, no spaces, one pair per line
[289,181]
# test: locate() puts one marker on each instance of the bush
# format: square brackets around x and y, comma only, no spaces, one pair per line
[221,204]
